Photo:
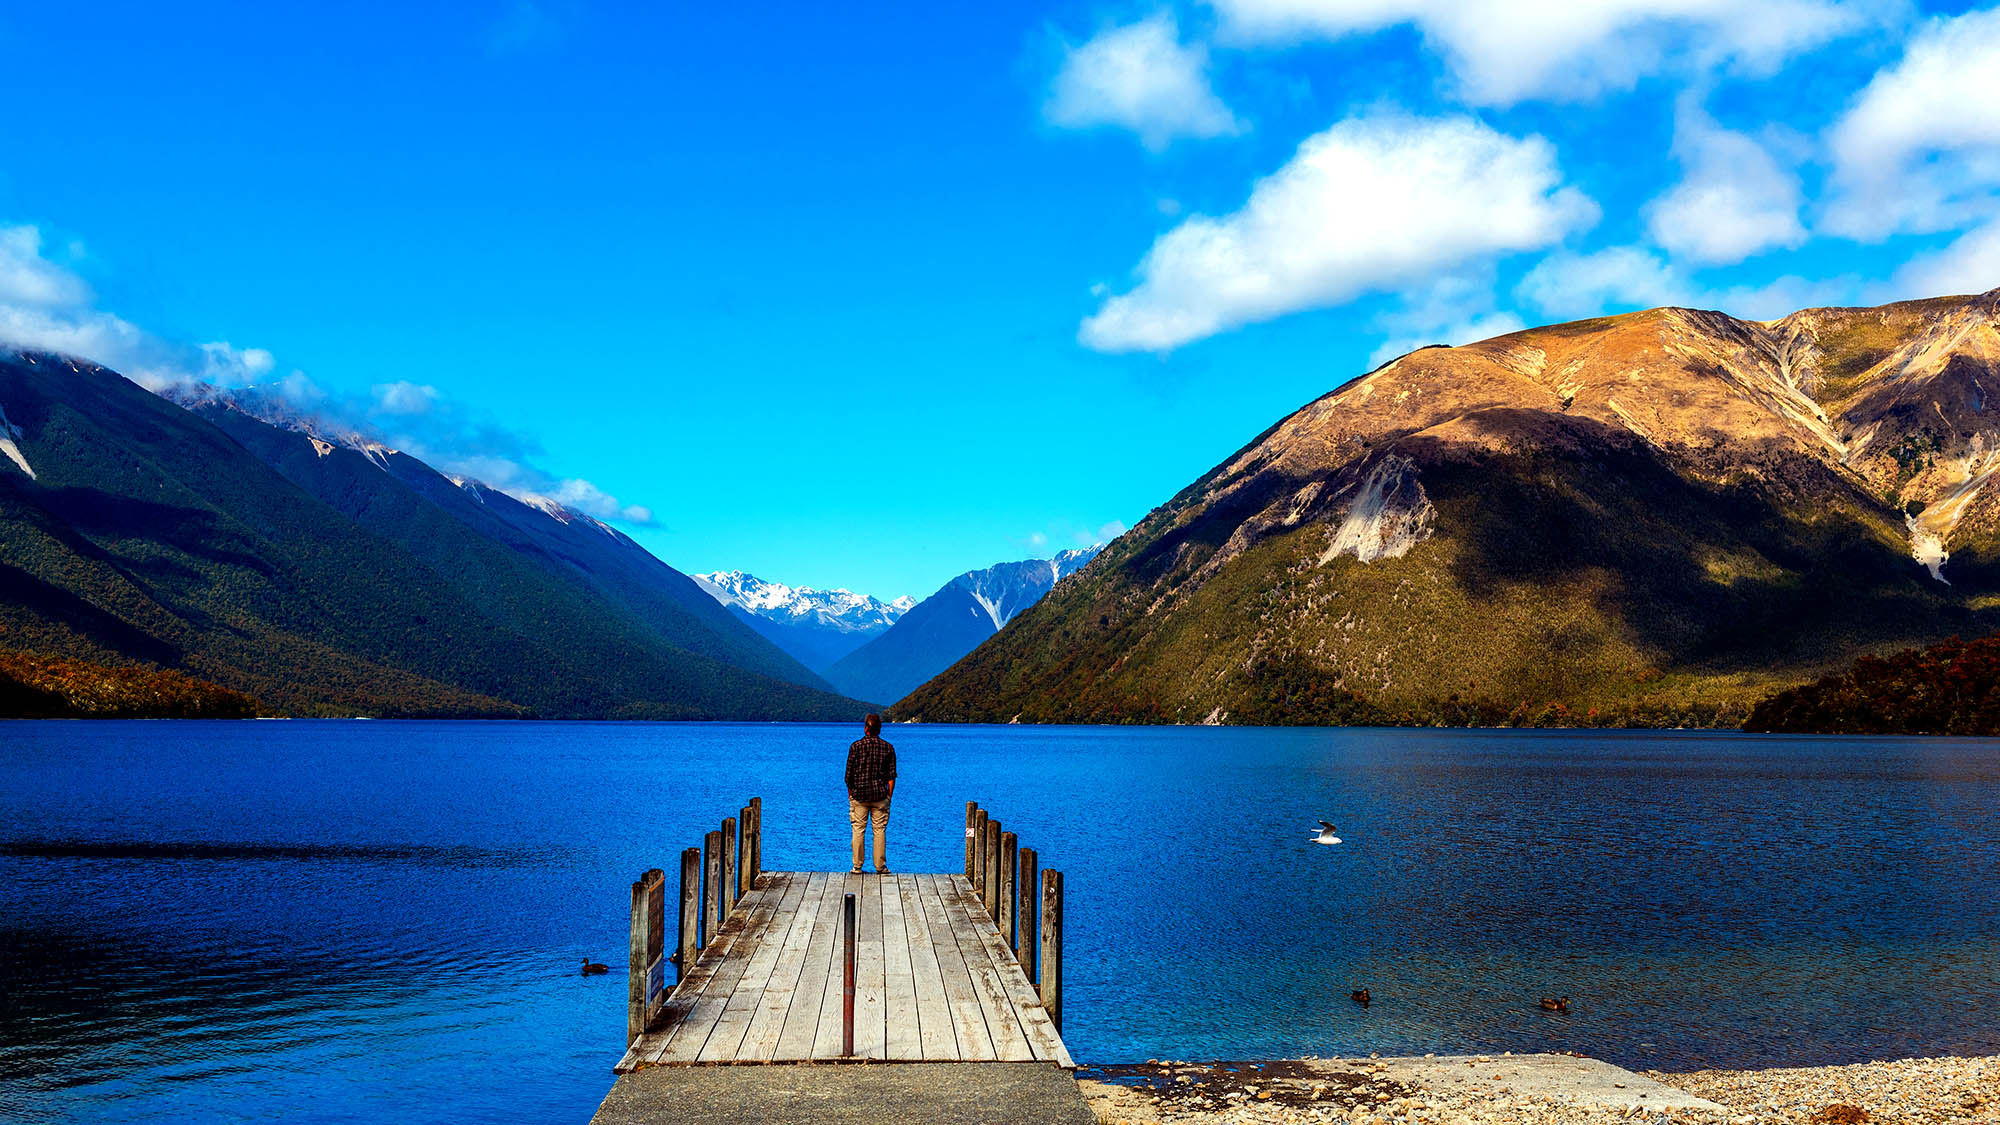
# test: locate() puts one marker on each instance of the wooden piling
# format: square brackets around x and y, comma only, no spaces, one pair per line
[979,851]
[1049,980]
[971,834]
[756,867]
[649,926]
[992,887]
[729,888]
[1028,885]
[711,887]
[847,928]
[1009,848]
[744,882]
[690,942]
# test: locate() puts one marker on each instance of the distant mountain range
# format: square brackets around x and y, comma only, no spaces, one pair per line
[226,537]
[1650,519]
[817,627]
[942,628]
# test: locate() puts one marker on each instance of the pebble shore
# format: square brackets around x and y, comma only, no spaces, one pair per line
[1931,1091]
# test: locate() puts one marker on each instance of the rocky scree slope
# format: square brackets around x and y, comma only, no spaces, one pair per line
[1650,518]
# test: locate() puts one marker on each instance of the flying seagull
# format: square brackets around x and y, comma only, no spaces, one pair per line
[1326,835]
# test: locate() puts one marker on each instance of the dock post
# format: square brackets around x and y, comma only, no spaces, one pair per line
[711,887]
[990,887]
[745,882]
[690,912]
[649,938]
[730,891]
[1009,847]
[979,851]
[756,866]
[847,978]
[1029,885]
[971,832]
[1050,979]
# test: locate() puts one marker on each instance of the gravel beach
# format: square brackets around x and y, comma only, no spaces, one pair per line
[1506,1089]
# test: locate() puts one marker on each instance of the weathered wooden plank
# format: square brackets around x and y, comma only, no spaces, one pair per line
[725,1043]
[761,1040]
[968,924]
[979,849]
[797,1041]
[690,947]
[1043,1039]
[731,889]
[688,993]
[904,1040]
[971,830]
[1048,959]
[968,1018]
[747,929]
[1009,846]
[937,1038]
[871,993]
[826,1041]
[1028,912]
[711,886]
[990,888]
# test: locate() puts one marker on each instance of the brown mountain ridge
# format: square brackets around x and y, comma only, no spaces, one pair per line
[1654,518]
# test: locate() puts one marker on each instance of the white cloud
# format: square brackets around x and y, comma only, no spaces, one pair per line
[228,366]
[1373,203]
[1464,331]
[28,278]
[1623,279]
[591,500]
[1140,77]
[1734,201]
[1568,286]
[1919,150]
[1971,264]
[1104,533]
[1454,309]
[405,397]
[1502,53]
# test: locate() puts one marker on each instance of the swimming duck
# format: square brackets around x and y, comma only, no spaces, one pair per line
[592,968]
[1359,996]
[1552,1004]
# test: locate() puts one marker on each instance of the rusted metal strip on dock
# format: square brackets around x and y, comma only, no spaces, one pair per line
[936,980]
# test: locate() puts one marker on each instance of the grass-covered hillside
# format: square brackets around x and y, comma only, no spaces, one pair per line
[1655,519]
[134,530]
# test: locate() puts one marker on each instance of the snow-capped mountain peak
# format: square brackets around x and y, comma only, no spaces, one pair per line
[839,609]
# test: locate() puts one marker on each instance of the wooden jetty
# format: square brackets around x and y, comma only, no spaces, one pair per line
[825,966]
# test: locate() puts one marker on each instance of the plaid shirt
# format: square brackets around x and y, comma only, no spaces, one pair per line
[871,766]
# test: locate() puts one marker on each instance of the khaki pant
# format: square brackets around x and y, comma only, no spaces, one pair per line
[858,816]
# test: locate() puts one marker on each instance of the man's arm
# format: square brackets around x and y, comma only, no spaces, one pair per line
[892,773]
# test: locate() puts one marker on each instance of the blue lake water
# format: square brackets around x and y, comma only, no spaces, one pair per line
[345,921]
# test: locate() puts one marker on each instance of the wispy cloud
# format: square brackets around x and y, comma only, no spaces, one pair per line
[1622,279]
[1734,200]
[1919,150]
[45,304]
[1374,203]
[1141,77]
[1499,54]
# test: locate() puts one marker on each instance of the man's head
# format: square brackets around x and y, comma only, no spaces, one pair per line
[871,725]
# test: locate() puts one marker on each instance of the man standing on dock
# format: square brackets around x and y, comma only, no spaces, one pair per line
[871,778]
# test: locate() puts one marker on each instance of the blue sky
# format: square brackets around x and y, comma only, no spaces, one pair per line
[869,296]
